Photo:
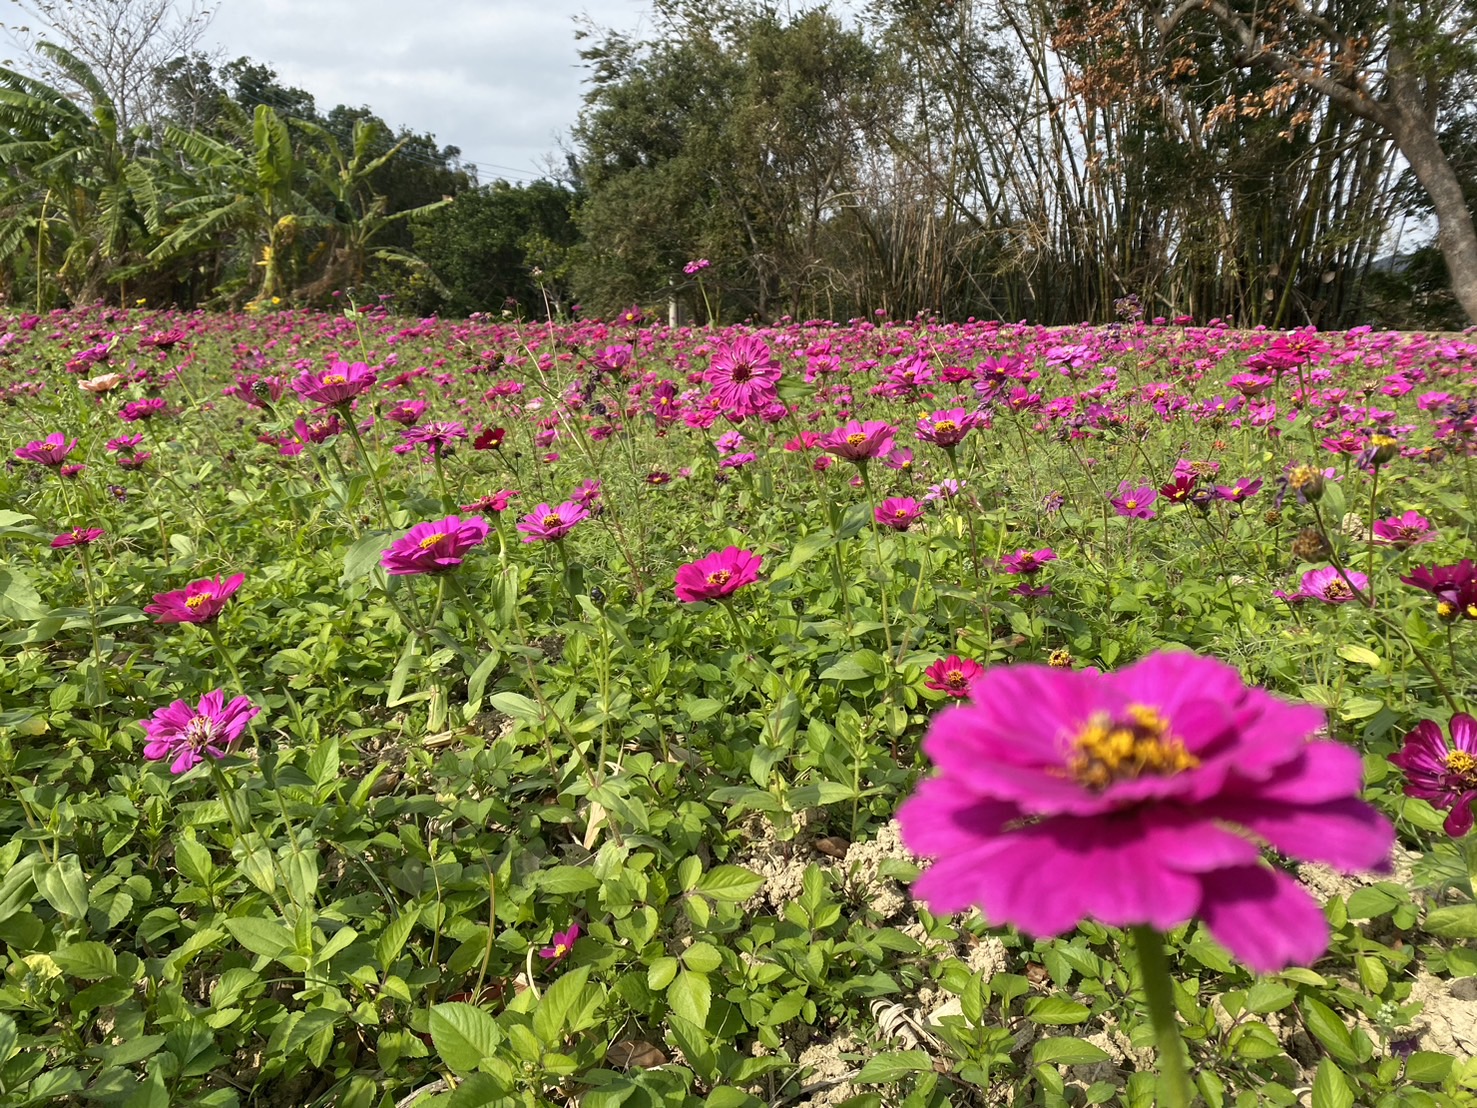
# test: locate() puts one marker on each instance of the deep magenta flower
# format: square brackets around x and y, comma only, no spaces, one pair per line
[77,536]
[1026,562]
[50,451]
[190,735]
[1329,585]
[1134,502]
[1444,775]
[433,547]
[561,944]
[438,437]
[547,524]
[1179,490]
[1139,798]
[946,428]
[898,512]
[197,602]
[718,575]
[1404,530]
[1244,489]
[1454,587]
[952,675]
[340,383]
[857,442]
[494,502]
[743,376]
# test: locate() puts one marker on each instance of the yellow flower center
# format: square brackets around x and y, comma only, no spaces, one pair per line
[944,426]
[199,600]
[1130,504]
[856,438]
[553,520]
[1337,590]
[719,577]
[1061,658]
[1108,750]
[560,950]
[1445,609]
[335,379]
[954,677]
[432,539]
[1460,762]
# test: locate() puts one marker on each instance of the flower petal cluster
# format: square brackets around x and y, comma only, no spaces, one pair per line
[77,536]
[1139,797]
[898,512]
[1134,502]
[857,441]
[549,524]
[952,675]
[561,944]
[50,451]
[434,546]
[187,736]
[1026,562]
[1454,587]
[197,602]
[1333,587]
[718,575]
[340,383]
[744,376]
[1404,530]
[947,428]
[1446,775]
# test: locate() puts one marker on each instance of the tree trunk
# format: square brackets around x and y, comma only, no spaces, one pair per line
[1455,233]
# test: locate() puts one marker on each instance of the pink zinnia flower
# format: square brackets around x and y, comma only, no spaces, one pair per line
[1134,502]
[588,493]
[898,512]
[148,408]
[946,428]
[1403,530]
[718,575]
[1244,489]
[1444,775]
[190,735]
[561,944]
[340,383]
[857,442]
[197,602]
[496,502]
[437,438]
[406,413]
[1026,562]
[743,376]
[77,536]
[952,675]
[1329,585]
[433,547]
[50,451]
[1139,798]
[547,524]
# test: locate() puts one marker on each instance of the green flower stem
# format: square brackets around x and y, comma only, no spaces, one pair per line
[99,686]
[1174,1079]
[461,590]
[1374,490]
[225,655]
[371,466]
[877,546]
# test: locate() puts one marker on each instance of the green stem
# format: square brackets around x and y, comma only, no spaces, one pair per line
[371,465]
[1174,1079]
[1374,489]
[99,693]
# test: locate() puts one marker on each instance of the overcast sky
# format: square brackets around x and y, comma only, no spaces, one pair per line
[498,78]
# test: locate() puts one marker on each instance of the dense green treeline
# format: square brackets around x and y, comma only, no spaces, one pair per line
[965,157]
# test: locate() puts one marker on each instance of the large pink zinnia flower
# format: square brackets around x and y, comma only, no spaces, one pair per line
[1331,586]
[1134,502]
[1139,798]
[1404,530]
[547,524]
[946,428]
[338,384]
[197,602]
[856,442]
[743,376]
[898,512]
[190,735]
[434,547]
[50,451]
[720,574]
[952,675]
[1444,775]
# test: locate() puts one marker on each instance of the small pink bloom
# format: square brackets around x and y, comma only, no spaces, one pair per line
[50,451]
[190,735]
[547,524]
[1331,587]
[197,602]
[77,536]
[340,383]
[719,575]
[858,442]
[952,675]
[433,547]
[1444,775]
[946,428]
[496,502]
[561,944]
[898,512]
[1134,502]
[1404,530]
[1026,562]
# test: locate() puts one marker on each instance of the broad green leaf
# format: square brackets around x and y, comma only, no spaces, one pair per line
[1329,1030]
[393,938]
[463,1035]
[1331,1087]
[265,937]
[690,995]
[89,961]
[892,1065]
[1066,1051]
[64,886]
[731,883]
[1056,1010]
[558,1002]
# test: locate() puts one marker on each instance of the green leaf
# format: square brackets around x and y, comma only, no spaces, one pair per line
[193,860]
[566,880]
[393,938]
[516,705]
[1331,1088]
[1372,901]
[64,886]
[556,1005]
[702,957]
[19,599]
[463,1035]
[8,1038]
[1066,1051]
[858,664]
[1458,921]
[892,1065]
[1329,1030]
[1269,996]
[1056,1010]
[1360,654]
[261,936]
[363,556]
[690,995]
[1426,1066]
[730,883]
[89,961]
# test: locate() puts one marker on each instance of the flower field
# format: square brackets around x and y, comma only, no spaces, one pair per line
[901,713]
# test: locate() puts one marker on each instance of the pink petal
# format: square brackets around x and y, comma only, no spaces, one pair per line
[1347,834]
[1263,917]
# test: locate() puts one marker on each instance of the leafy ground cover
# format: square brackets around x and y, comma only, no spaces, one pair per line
[465,713]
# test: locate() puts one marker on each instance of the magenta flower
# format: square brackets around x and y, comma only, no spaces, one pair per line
[946,428]
[588,492]
[561,944]
[433,547]
[1134,502]
[719,575]
[197,602]
[495,502]
[546,524]
[857,442]
[1244,489]
[77,536]
[1403,530]
[437,438]
[1139,798]
[1331,587]
[190,735]
[340,383]
[952,675]
[743,376]
[50,451]
[898,512]
[1026,562]
[1444,775]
